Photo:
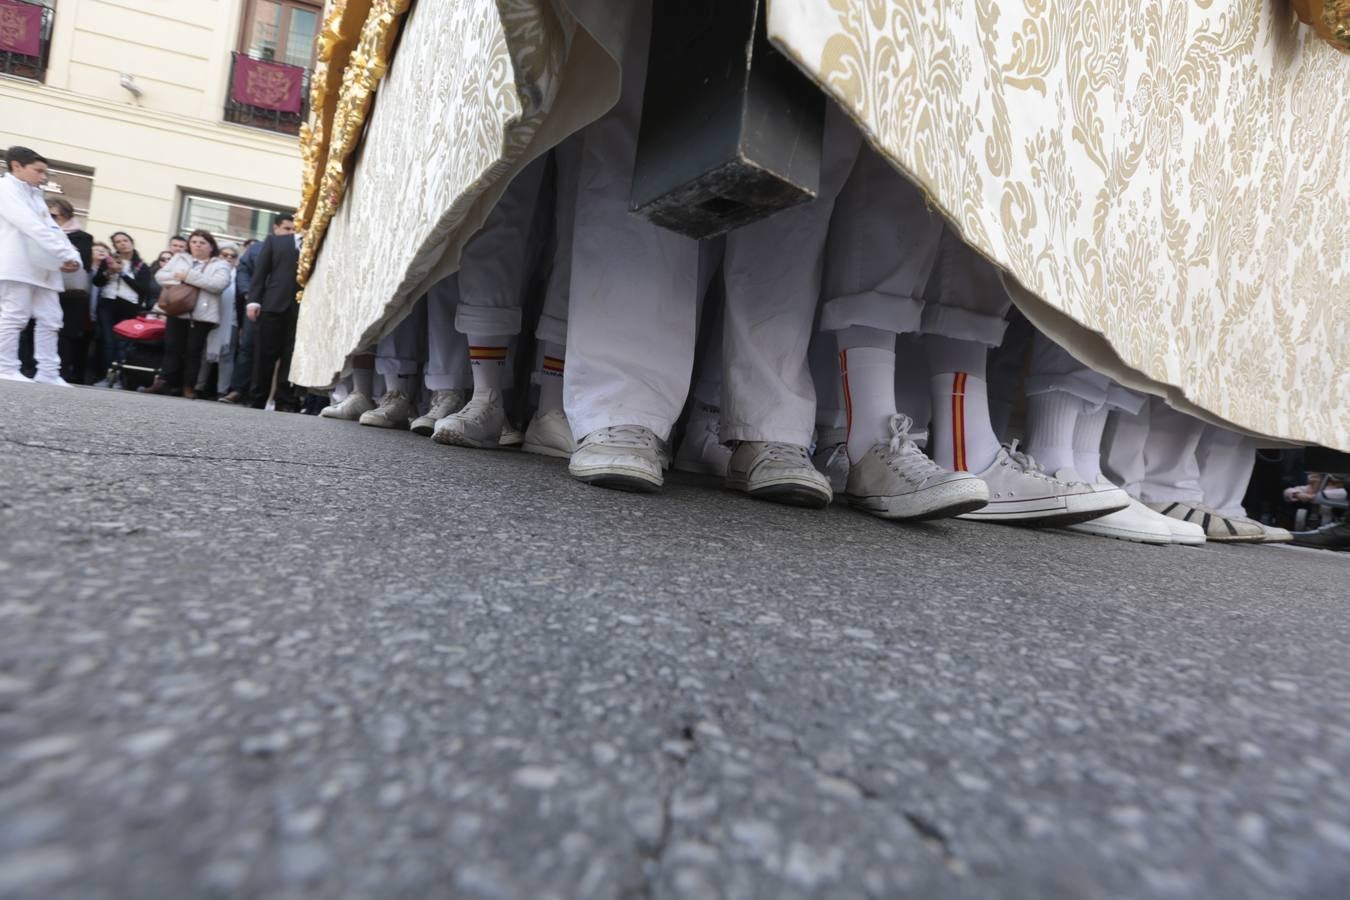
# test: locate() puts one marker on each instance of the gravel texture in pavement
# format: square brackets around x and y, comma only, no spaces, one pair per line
[250,654]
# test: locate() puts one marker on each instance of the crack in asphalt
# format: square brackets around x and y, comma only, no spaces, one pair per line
[153,454]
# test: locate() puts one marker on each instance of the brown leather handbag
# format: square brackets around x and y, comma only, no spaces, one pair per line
[178,299]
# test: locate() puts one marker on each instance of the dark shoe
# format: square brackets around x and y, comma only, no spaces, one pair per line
[160,386]
[1329,537]
[233,398]
[189,393]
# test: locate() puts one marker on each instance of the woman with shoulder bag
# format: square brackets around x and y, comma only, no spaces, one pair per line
[191,285]
[76,318]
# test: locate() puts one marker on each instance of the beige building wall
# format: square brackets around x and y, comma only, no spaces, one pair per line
[147,152]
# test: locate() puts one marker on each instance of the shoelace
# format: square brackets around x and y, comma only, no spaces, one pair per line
[447,397]
[786,453]
[626,436]
[1026,462]
[905,455]
[476,409]
[390,398]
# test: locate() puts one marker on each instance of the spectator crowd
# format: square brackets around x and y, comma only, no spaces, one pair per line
[180,323]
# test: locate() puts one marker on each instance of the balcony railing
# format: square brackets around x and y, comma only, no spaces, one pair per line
[266,94]
[25,38]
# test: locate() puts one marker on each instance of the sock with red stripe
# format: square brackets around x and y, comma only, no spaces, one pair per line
[1051,419]
[551,377]
[962,437]
[867,363]
[488,359]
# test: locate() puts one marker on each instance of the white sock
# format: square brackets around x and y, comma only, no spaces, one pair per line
[962,438]
[1087,444]
[869,386]
[363,381]
[488,357]
[551,377]
[1051,418]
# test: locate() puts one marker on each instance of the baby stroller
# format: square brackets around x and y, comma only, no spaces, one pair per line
[145,351]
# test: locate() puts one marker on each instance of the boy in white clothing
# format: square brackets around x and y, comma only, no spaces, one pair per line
[34,253]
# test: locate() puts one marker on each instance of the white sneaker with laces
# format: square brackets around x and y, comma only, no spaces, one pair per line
[702,452]
[621,457]
[479,424]
[511,436]
[51,378]
[779,473]
[897,480]
[1022,493]
[1135,522]
[395,411]
[549,435]
[353,408]
[15,376]
[443,403]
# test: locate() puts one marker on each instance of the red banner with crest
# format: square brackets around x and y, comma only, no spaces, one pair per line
[267,85]
[20,28]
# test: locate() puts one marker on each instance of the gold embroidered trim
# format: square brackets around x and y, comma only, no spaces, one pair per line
[329,140]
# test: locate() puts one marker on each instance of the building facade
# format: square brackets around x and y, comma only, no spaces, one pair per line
[160,116]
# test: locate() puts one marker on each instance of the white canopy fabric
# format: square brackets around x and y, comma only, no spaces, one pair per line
[1165,186]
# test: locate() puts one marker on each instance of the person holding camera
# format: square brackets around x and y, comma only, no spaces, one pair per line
[125,290]
[34,255]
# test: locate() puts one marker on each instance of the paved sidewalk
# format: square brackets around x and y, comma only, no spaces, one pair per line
[248,654]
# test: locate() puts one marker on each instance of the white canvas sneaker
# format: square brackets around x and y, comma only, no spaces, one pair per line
[897,480]
[511,436]
[443,403]
[831,457]
[1216,526]
[779,473]
[15,376]
[53,379]
[1135,522]
[479,424]
[702,452]
[549,434]
[1022,493]
[621,457]
[350,410]
[395,411]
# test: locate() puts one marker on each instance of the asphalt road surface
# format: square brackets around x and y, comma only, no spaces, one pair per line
[250,654]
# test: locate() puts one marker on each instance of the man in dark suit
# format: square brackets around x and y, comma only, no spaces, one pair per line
[272,306]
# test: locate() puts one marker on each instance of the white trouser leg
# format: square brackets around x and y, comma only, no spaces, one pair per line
[492,270]
[447,349]
[1053,369]
[965,299]
[1123,444]
[47,321]
[552,327]
[16,308]
[882,246]
[773,272]
[1171,472]
[399,352]
[1226,461]
[634,298]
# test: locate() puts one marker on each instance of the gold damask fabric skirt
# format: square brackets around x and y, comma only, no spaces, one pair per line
[1165,185]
